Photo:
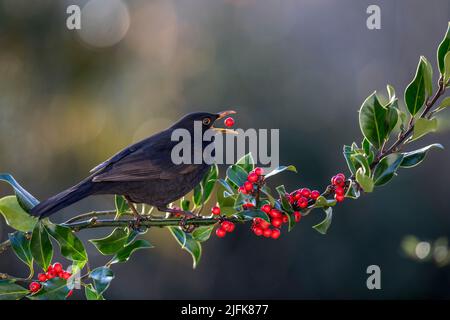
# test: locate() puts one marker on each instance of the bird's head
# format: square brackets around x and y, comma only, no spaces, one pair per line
[207,120]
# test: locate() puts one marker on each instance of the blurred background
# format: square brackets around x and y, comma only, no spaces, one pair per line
[71,98]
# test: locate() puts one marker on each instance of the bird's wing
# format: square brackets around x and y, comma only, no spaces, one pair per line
[142,163]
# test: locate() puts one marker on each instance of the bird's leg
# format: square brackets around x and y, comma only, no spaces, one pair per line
[186,214]
[134,210]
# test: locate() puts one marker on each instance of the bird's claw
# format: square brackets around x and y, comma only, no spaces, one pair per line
[188,228]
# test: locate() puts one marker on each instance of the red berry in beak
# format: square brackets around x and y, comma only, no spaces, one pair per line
[229,122]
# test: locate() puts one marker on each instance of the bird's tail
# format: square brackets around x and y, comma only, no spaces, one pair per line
[63,199]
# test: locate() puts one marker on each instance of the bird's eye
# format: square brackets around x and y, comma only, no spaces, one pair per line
[206,121]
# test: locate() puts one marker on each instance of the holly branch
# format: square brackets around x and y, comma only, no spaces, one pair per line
[242,196]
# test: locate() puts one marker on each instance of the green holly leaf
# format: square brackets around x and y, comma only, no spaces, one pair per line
[447,67]
[362,162]
[416,92]
[21,246]
[71,247]
[281,169]
[364,180]
[202,233]
[325,224]
[91,293]
[202,191]
[41,247]
[112,243]
[11,291]
[246,162]
[444,104]
[348,152]
[322,202]
[25,199]
[121,205]
[226,200]
[284,201]
[15,216]
[236,175]
[373,121]
[53,289]
[443,49]
[185,204]
[424,126]
[255,213]
[353,191]
[125,254]
[101,278]
[386,168]
[188,243]
[413,158]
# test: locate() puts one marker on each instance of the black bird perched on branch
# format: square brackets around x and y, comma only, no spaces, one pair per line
[143,172]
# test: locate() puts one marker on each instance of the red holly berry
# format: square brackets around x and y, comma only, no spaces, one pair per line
[297,216]
[277,222]
[34,287]
[339,198]
[248,186]
[215,210]
[248,205]
[259,171]
[242,190]
[57,267]
[66,275]
[341,175]
[258,231]
[296,195]
[338,180]
[274,213]
[275,233]
[315,194]
[220,232]
[339,191]
[302,202]
[264,224]
[285,219]
[50,268]
[229,122]
[42,277]
[267,233]
[228,226]
[305,192]
[266,208]
[252,177]
[51,274]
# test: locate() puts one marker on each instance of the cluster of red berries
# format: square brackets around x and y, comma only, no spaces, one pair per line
[302,198]
[254,177]
[261,227]
[338,182]
[225,227]
[54,271]
[229,122]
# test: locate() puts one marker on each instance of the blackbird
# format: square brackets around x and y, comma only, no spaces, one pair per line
[143,172]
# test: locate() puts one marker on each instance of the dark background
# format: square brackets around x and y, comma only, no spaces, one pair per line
[305,67]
